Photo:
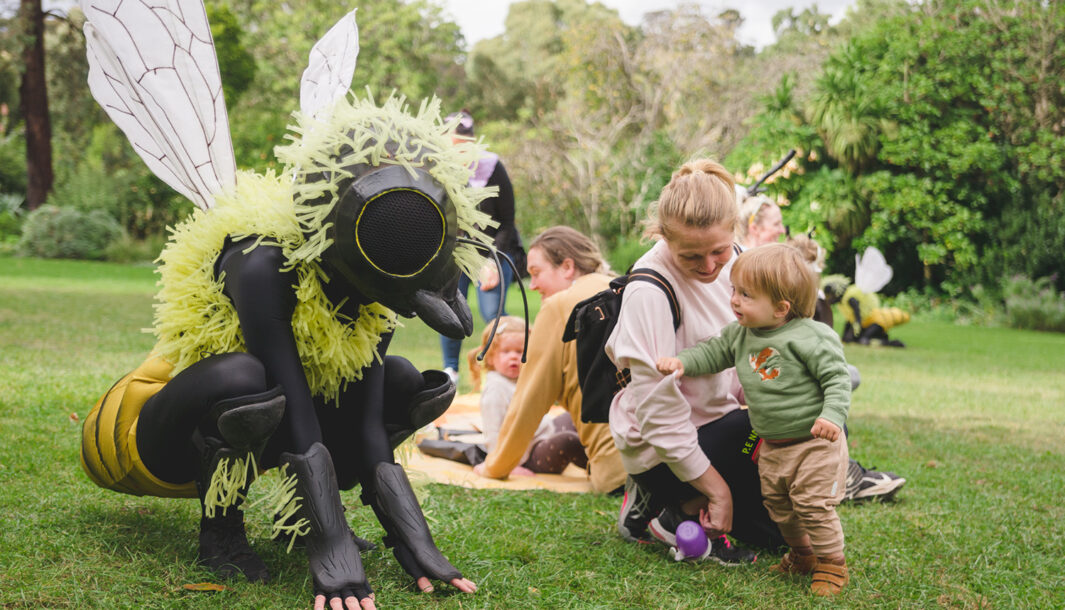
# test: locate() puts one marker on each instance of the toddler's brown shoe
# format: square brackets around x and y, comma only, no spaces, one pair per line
[793,563]
[829,579]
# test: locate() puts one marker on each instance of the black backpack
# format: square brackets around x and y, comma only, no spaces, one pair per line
[591,323]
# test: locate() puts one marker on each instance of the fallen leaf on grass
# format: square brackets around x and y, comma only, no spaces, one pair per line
[534,591]
[74,417]
[203,586]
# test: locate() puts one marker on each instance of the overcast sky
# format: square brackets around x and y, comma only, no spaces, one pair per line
[480,19]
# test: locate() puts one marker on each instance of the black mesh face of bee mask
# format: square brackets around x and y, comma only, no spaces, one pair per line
[393,234]
[400,217]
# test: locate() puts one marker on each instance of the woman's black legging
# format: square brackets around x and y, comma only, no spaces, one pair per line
[729,442]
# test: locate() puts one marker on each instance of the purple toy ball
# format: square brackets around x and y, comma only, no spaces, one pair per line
[691,539]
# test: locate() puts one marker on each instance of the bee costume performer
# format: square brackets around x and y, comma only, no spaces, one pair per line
[278,300]
[866,320]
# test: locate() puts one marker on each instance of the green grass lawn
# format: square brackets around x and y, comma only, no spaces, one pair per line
[972,417]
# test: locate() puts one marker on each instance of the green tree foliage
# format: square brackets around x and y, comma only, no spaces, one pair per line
[602,112]
[935,135]
[521,69]
[235,62]
[808,22]
[404,46]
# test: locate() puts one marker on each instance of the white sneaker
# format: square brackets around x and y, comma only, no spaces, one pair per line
[453,374]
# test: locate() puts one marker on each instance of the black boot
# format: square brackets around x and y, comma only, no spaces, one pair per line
[399,512]
[424,407]
[332,553]
[245,422]
[224,544]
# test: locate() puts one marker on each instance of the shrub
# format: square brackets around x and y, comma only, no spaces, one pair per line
[112,178]
[925,304]
[625,252]
[54,232]
[1034,304]
[10,222]
[129,250]
[87,188]
[12,164]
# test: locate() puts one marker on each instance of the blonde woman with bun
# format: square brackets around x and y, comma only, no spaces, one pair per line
[686,442]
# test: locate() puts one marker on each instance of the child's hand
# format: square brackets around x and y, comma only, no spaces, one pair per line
[825,429]
[667,366]
[488,279]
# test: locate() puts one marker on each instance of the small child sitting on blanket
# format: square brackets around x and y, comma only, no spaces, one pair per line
[556,443]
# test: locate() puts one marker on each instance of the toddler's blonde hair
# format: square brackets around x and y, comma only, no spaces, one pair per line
[507,325]
[780,272]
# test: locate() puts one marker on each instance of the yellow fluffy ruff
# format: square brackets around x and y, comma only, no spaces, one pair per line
[193,318]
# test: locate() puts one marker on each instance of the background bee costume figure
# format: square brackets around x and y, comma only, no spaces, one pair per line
[278,299]
[866,320]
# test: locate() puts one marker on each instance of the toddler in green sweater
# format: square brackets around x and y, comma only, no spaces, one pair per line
[797,387]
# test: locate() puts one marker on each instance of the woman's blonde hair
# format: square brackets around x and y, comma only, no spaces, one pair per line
[701,194]
[752,212]
[507,325]
[780,272]
[561,242]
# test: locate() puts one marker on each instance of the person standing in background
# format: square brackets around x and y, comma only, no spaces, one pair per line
[491,286]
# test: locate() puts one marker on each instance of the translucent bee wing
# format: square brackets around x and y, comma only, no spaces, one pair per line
[152,66]
[871,271]
[331,66]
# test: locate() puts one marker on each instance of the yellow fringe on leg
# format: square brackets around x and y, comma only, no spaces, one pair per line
[281,500]
[227,480]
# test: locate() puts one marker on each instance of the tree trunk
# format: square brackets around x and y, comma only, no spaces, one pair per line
[33,94]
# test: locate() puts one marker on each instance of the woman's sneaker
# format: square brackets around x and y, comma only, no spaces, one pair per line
[663,528]
[727,554]
[635,513]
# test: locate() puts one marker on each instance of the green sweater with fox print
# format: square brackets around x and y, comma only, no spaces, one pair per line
[791,375]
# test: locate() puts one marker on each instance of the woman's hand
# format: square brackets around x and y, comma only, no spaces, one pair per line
[668,366]
[488,278]
[825,429]
[716,516]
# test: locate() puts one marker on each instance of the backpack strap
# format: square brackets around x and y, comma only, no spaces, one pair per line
[651,276]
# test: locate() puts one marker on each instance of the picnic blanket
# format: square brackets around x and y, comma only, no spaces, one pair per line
[465,414]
